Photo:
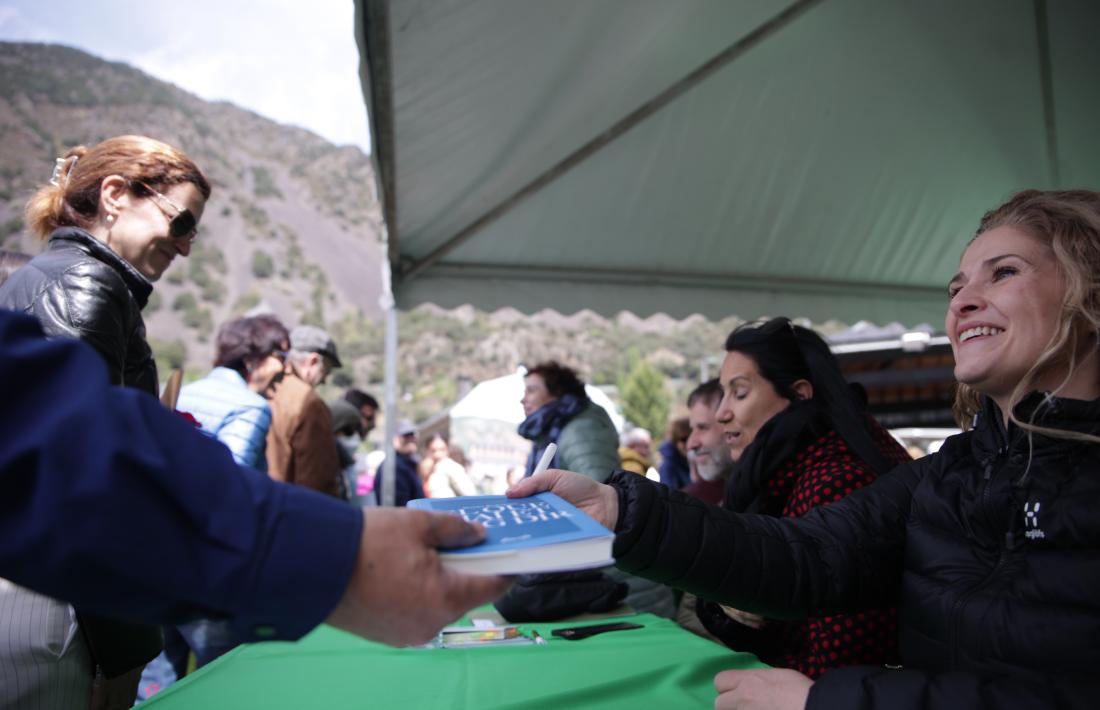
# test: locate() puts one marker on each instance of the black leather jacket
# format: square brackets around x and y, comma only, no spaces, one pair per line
[991,549]
[79,288]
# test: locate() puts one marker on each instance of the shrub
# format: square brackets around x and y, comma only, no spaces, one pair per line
[154,303]
[213,292]
[262,264]
[246,302]
[185,301]
[262,183]
[645,398]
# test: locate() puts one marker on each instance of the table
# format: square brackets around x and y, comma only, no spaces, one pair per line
[659,666]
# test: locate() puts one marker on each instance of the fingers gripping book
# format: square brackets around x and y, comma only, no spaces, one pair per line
[543,533]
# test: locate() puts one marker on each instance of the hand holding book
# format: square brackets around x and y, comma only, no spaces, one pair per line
[600,502]
[539,534]
[399,593]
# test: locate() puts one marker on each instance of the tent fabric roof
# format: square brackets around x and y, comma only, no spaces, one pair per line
[820,159]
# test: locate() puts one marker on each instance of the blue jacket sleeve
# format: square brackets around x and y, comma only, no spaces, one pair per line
[116,505]
[245,433]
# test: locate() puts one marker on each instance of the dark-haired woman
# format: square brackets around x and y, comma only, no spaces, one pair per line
[114,216]
[800,438]
[229,402]
[990,547]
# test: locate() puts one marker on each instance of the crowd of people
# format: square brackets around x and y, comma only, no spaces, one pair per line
[777,517]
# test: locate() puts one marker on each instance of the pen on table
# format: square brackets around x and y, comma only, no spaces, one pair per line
[547,457]
[539,640]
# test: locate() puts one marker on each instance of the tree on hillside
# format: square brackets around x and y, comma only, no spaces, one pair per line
[185,301]
[169,354]
[262,264]
[645,397]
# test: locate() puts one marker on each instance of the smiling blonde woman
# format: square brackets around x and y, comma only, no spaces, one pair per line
[990,547]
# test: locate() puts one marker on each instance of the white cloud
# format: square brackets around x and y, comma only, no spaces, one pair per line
[293,65]
[14,23]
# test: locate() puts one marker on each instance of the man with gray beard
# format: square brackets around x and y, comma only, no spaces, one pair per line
[707,450]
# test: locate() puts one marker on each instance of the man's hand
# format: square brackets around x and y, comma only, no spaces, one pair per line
[763,689]
[399,593]
[597,500]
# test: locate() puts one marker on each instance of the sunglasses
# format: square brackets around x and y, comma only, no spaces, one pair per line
[182,224]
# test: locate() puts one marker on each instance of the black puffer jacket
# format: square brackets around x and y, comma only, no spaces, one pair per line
[79,288]
[991,548]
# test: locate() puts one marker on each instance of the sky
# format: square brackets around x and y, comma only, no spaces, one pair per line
[291,61]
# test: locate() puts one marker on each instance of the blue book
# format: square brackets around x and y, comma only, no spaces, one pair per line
[542,533]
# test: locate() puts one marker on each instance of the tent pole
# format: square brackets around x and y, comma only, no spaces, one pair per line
[389,395]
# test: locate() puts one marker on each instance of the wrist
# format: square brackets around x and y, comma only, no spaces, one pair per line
[611,505]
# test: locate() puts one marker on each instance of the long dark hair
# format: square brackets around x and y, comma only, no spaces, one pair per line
[785,353]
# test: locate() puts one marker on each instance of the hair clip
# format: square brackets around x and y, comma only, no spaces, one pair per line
[58,167]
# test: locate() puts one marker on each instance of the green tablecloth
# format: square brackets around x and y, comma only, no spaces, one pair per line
[660,666]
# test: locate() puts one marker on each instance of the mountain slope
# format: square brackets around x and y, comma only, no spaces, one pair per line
[283,196]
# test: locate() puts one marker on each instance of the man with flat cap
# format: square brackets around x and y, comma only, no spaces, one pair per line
[299,444]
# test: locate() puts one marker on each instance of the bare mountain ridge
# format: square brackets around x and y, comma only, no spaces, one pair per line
[304,205]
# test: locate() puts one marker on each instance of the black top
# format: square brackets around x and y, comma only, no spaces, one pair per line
[990,548]
[79,288]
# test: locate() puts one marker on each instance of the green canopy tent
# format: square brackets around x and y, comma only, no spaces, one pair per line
[817,158]
[823,159]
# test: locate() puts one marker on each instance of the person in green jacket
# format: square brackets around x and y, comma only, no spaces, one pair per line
[559,411]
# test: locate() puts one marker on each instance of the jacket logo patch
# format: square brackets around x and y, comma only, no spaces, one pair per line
[1031,521]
